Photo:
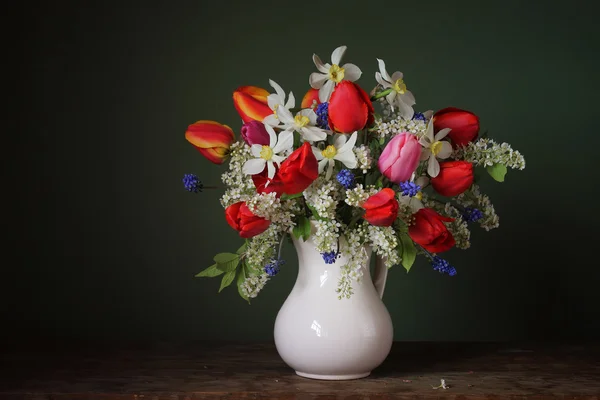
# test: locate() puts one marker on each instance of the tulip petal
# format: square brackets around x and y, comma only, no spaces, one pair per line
[254,166]
[208,134]
[325,91]
[251,103]
[309,98]
[351,72]
[212,155]
[317,80]
[337,54]
[324,68]
[445,151]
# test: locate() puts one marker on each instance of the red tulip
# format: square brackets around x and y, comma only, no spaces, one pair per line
[382,208]
[464,124]
[294,175]
[251,103]
[430,232]
[350,108]
[240,218]
[211,139]
[454,178]
[310,98]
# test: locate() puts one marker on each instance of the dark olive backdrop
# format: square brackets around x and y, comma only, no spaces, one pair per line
[105,242]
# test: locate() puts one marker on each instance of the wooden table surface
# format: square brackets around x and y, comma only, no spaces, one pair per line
[210,370]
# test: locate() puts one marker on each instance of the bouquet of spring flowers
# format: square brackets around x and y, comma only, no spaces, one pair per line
[397,180]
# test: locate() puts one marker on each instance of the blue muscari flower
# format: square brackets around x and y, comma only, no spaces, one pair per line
[419,116]
[346,178]
[322,117]
[329,257]
[409,188]
[439,264]
[192,183]
[272,268]
[472,214]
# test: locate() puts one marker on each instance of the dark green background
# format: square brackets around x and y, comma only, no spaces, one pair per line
[103,242]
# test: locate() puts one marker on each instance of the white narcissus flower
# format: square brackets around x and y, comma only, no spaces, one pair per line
[434,148]
[269,155]
[276,100]
[399,96]
[330,75]
[304,123]
[340,150]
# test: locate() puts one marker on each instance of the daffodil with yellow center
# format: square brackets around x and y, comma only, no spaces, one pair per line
[304,122]
[341,150]
[434,147]
[268,155]
[330,75]
[301,121]
[399,97]
[276,100]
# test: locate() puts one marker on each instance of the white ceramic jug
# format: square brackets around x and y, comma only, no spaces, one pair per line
[323,337]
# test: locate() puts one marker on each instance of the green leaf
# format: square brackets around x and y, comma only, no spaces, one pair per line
[296,140]
[315,213]
[286,196]
[240,280]
[227,279]
[497,171]
[243,248]
[302,228]
[210,272]
[409,252]
[227,261]
[379,182]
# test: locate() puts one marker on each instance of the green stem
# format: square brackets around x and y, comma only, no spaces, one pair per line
[381,94]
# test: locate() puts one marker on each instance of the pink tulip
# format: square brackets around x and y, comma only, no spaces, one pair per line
[254,132]
[400,157]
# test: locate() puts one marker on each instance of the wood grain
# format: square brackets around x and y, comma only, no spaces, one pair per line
[211,370]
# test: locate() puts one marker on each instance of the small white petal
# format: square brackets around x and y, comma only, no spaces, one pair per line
[425,154]
[329,169]
[255,149]
[325,91]
[277,159]
[422,181]
[433,167]
[317,79]
[285,116]
[428,114]
[351,72]
[429,131]
[322,164]
[313,134]
[347,158]
[442,134]
[271,120]
[391,98]
[382,70]
[272,135]
[273,100]
[416,204]
[379,79]
[319,64]
[409,98]
[291,103]
[347,146]
[445,151]
[254,166]
[404,109]
[336,56]
[397,75]
[339,140]
[284,141]
[278,89]
[318,154]
[270,170]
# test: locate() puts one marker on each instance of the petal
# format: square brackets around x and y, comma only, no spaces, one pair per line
[404,109]
[322,164]
[425,153]
[409,98]
[272,135]
[351,72]
[347,147]
[422,181]
[254,166]
[274,100]
[318,155]
[382,70]
[255,149]
[429,131]
[445,151]
[208,134]
[319,64]
[270,170]
[325,91]
[339,141]
[291,103]
[442,133]
[329,169]
[415,204]
[271,120]
[317,79]
[379,79]
[348,158]
[391,98]
[277,159]
[336,56]
[397,75]
[284,142]
[433,167]
[285,116]
[251,103]
[428,114]
[312,133]
[277,88]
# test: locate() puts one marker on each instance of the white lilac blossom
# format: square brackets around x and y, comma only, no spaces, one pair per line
[327,234]
[330,75]
[268,155]
[473,198]
[353,248]
[399,97]
[434,148]
[384,242]
[385,127]
[357,196]
[323,195]
[363,158]
[341,150]
[269,206]
[239,187]
[486,152]
[254,284]
[276,100]
[458,228]
[304,122]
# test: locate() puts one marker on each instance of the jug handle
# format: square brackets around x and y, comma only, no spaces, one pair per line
[380,275]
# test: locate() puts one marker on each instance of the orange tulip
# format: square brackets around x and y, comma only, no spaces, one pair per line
[211,139]
[310,98]
[251,103]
